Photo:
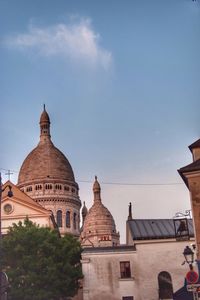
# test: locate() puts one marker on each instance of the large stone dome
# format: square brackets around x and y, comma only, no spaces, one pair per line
[45,162]
[47,177]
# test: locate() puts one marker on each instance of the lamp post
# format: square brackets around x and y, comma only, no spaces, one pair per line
[189,256]
[10,194]
[192,277]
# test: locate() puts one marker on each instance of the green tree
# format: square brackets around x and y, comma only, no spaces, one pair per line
[40,264]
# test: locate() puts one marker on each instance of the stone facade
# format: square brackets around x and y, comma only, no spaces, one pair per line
[19,207]
[103,278]
[191,177]
[101,269]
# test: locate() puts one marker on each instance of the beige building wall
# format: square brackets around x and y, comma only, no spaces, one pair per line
[156,257]
[101,269]
[194,187]
[19,207]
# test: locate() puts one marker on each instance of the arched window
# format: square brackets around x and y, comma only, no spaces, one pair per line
[66,188]
[165,285]
[74,220]
[59,218]
[29,189]
[68,219]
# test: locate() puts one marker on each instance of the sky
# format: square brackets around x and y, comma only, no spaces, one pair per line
[121,83]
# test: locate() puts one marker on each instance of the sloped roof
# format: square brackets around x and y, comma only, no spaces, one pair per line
[194,166]
[196,144]
[149,229]
[22,197]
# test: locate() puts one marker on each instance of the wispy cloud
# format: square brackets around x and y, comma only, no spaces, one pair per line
[76,41]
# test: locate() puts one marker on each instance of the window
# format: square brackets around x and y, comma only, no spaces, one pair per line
[58,187]
[165,285]
[29,189]
[8,208]
[59,218]
[125,269]
[48,186]
[68,219]
[38,187]
[74,221]
[127,298]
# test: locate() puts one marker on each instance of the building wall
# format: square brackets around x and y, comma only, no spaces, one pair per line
[194,187]
[102,270]
[39,220]
[102,275]
[156,257]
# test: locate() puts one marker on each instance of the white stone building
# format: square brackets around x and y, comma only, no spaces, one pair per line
[148,267]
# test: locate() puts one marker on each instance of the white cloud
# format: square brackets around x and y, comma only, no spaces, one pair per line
[77,42]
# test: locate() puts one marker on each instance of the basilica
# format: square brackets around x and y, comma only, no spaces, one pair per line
[147,267]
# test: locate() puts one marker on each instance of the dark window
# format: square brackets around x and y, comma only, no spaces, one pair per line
[59,218]
[58,187]
[48,186]
[38,187]
[125,269]
[127,298]
[29,189]
[68,219]
[165,285]
[74,221]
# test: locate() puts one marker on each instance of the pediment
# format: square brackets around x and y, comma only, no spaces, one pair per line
[13,208]
[20,204]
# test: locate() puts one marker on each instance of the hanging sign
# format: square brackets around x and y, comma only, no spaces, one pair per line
[192,277]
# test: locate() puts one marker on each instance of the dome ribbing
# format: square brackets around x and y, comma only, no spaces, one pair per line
[43,162]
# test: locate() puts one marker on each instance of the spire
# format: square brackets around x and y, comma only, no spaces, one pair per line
[130,212]
[44,126]
[97,191]
[84,211]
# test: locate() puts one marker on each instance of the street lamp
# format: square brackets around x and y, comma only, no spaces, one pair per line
[10,194]
[189,256]
[192,277]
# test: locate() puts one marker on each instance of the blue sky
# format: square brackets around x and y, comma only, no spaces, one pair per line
[121,83]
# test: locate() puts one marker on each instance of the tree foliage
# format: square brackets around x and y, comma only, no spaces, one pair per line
[40,264]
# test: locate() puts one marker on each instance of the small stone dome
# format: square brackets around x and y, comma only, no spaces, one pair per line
[99,219]
[99,225]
